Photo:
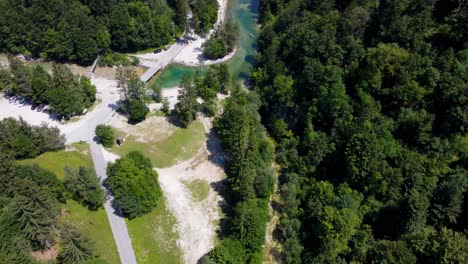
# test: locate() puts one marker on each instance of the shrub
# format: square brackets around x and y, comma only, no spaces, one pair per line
[165,106]
[105,135]
[114,59]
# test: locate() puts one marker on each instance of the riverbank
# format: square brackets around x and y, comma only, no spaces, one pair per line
[192,54]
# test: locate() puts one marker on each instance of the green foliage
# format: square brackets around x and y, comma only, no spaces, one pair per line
[165,106]
[250,222]
[187,106]
[392,252]
[205,13]
[222,41]
[133,93]
[66,94]
[114,59]
[137,110]
[366,101]
[228,251]
[250,177]
[22,140]
[157,92]
[30,204]
[75,247]
[30,208]
[76,30]
[134,184]
[85,186]
[15,247]
[106,135]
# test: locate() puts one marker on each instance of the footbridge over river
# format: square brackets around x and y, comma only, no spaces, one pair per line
[159,61]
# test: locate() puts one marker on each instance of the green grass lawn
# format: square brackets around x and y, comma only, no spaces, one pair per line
[154,237]
[93,224]
[55,161]
[198,188]
[180,146]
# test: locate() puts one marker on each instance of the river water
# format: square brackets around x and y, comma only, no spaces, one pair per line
[244,12]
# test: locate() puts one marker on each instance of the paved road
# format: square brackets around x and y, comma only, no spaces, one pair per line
[117,222]
[84,131]
[101,114]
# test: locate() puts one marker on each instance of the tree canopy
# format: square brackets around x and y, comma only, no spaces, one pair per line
[76,30]
[134,184]
[366,101]
[65,93]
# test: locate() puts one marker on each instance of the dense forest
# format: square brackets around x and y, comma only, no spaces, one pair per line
[250,181]
[31,198]
[367,102]
[76,30]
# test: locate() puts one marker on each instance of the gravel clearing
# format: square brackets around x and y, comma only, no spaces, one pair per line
[195,220]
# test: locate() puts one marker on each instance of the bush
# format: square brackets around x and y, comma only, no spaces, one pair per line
[105,135]
[210,108]
[137,110]
[165,106]
[228,251]
[157,92]
[135,61]
[134,184]
[114,59]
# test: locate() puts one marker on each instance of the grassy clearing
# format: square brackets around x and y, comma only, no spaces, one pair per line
[181,145]
[154,237]
[57,160]
[93,224]
[198,188]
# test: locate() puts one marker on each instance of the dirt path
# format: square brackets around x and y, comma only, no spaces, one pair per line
[273,250]
[196,221]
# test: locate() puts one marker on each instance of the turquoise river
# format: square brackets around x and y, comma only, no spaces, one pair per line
[244,12]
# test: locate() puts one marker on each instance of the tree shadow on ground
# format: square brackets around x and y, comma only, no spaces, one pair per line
[216,153]
[173,120]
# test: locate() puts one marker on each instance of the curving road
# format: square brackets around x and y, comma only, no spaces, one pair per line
[84,131]
[101,114]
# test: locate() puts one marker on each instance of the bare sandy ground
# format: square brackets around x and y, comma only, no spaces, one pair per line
[196,221]
[190,54]
[153,129]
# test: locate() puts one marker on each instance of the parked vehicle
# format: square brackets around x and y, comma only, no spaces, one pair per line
[157,50]
[41,107]
[33,106]
[23,101]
